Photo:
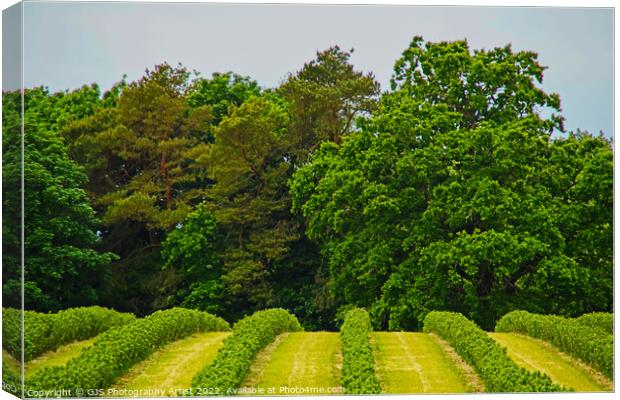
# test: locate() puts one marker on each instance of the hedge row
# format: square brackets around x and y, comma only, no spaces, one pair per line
[45,332]
[116,350]
[600,320]
[12,331]
[592,346]
[497,370]
[358,369]
[250,335]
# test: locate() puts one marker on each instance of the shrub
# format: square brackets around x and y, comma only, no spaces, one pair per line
[12,331]
[45,332]
[358,369]
[116,350]
[600,320]
[497,370]
[591,345]
[250,335]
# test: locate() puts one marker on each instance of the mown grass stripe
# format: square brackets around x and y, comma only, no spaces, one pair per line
[593,346]
[303,363]
[232,364]
[263,358]
[537,355]
[498,371]
[58,357]
[473,380]
[172,367]
[11,374]
[46,332]
[411,362]
[11,363]
[114,352]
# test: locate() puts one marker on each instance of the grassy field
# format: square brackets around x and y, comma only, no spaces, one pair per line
[173,366]
[298,363]
[60,356]
[408,362]
[537,355]
[310,363]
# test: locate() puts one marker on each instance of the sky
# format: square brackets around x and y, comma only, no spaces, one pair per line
[67,45]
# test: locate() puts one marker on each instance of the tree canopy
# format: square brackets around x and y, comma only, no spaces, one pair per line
[61,267]
[456,189]
[453,195]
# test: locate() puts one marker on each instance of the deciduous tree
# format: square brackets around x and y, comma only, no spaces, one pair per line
[61,267]
[454,196]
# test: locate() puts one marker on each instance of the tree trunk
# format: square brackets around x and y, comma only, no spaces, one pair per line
[485,280]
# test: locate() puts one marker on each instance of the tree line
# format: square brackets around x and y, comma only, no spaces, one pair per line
[449,191]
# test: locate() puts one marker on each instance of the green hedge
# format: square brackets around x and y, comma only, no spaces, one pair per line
[497,370]
[12,332]
[45,332]
[593,346]
[600,320]
[358,369]
[116,350]
[251,334]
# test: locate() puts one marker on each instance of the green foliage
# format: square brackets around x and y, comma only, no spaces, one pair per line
[155,129]
[193,250]
[11,377]
[205,296]
[12,331]
[61,267]
[142,160]
[436,201]
[233,361]
[497,370]
[11,198]
[155,148]
[358,368]
[325,97]
[249,200]
[581,176]
[223,92]
[601,320]
[487,85]
[116,350]
[312,196]
[267,260]
[192,245]
[591,345]
[46,332]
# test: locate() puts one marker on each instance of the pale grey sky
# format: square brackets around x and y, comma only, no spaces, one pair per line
[70,44]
